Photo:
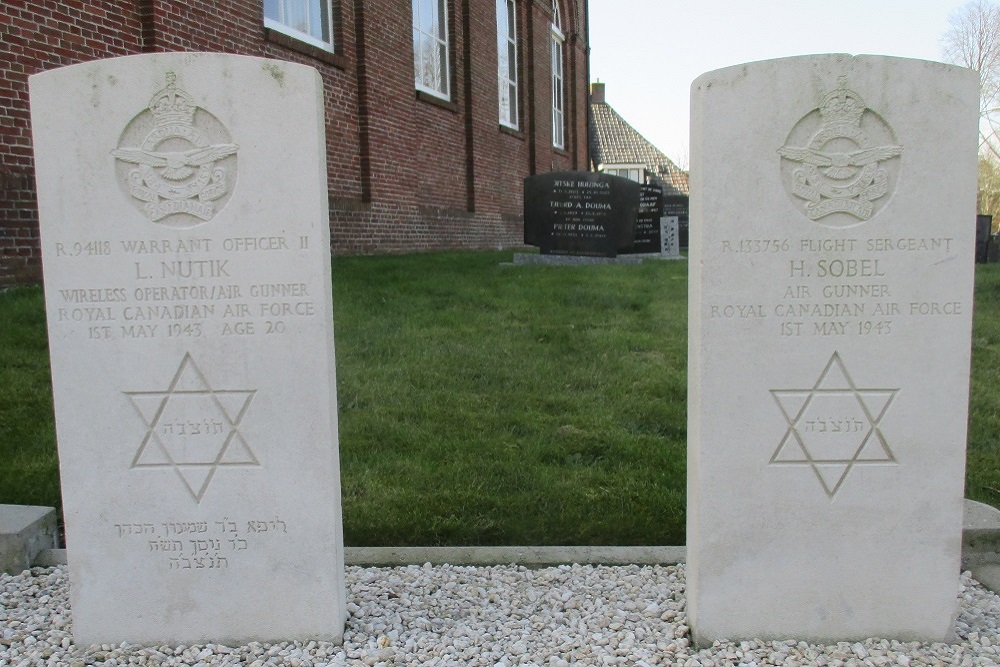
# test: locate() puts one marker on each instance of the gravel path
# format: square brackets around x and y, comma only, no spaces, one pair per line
[490,616]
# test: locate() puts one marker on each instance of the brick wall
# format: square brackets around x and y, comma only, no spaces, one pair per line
[36,36]
[405,172]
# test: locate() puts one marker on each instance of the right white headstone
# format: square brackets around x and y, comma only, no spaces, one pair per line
[832,207]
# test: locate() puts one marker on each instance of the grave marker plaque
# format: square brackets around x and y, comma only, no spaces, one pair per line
[678,206]
[669,241]
[579,213]
[185,242]
[830,322]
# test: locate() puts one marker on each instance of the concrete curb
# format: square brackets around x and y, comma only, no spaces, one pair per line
[523,258]
[529,556]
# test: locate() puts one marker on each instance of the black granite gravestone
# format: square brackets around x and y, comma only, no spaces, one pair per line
[984,229]
[579,213]
[678,205]
[647,222]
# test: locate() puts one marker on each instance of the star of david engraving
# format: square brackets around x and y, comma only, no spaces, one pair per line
[192,428]
[833,426]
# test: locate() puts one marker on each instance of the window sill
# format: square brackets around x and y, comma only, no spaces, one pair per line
[437,101]
[511,131]
[560,151]
[292,44]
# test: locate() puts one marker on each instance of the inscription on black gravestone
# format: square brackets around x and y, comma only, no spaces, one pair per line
[579,213]
[647,222]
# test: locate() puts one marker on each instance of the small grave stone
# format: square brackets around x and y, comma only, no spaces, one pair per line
[185,242]
[678,206]
[580,213]
[669,240]
[830,323]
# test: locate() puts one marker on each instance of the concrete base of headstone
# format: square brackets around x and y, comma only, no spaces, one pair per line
[573,260]
[659,255]
[25,530]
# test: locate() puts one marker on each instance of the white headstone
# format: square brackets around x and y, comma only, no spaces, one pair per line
[187,284]
[833,200]
[670,237]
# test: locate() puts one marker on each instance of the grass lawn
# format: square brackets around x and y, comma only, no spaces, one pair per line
[488,404]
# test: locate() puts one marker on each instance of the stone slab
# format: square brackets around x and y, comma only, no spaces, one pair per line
[185,241]
[572,260]
[830,321]
[25,530]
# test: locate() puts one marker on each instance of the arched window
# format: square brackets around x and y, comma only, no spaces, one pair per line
[558,98]
[507,61]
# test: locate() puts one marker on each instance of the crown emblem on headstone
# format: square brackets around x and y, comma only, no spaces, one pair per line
[180,176]
[840,159]
[842,105]
[172,106]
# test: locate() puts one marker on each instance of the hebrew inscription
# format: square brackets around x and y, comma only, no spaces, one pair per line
[192,428]
[176,160]
[840,161]
[219,544]
[833,426]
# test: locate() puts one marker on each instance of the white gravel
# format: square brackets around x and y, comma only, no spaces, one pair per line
[492,616]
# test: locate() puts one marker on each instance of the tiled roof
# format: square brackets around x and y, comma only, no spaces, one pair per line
[613,141]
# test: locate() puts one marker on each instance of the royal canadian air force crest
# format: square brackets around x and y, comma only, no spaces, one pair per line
[175,160]
[840,161]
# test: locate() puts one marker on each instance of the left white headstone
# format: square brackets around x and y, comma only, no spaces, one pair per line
[185,244]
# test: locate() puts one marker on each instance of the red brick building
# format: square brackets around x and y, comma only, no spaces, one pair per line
[435,109]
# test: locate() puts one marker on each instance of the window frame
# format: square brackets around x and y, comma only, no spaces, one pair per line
[507,43]
[278,26]
[443,11]
[625,166]
[557,41]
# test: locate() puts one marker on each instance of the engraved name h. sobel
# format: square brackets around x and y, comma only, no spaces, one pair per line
[840,160]
[176,160]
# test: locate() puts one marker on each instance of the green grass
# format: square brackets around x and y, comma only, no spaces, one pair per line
[484,404]
[983,467]
[29,468]
[488,404]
